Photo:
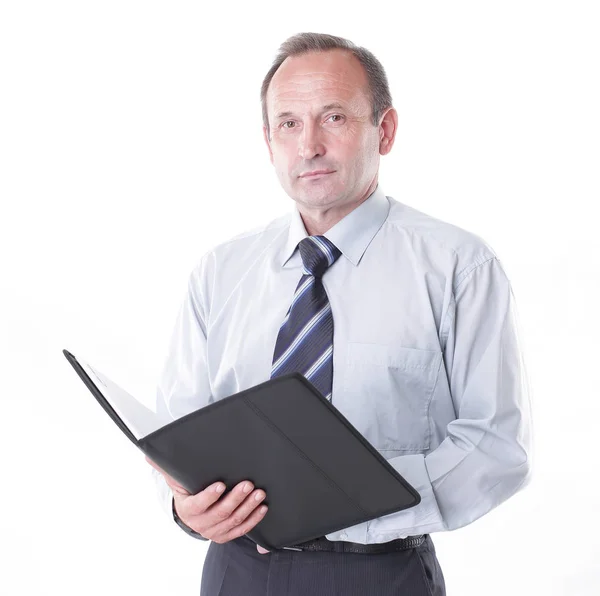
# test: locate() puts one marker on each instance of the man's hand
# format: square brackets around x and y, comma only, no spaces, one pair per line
[218,520]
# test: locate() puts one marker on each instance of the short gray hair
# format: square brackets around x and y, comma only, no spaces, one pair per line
[303,43]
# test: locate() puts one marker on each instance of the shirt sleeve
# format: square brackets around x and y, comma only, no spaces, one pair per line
[486,455]
[184,384]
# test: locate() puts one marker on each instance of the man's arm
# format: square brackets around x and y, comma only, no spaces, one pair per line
[184,384]
[486,455]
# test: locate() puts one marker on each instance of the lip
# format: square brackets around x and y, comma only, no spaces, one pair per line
[317,173]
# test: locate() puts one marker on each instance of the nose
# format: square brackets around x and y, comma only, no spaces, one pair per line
[310,143]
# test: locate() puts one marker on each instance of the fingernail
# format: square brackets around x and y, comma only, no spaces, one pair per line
[247,488]
[219,488]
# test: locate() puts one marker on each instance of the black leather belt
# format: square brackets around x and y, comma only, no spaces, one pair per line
[341,546]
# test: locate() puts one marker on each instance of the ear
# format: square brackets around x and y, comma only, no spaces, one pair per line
[268,143]
[387,131]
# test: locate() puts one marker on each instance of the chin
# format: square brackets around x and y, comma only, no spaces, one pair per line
[317,188]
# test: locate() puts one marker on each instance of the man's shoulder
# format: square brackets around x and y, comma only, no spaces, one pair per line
[262,231]
[255,238]
[239,250]
[465,246]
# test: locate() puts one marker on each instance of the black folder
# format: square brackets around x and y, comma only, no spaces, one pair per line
[318,471]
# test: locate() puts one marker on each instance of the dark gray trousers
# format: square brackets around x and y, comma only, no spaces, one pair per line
[236,568]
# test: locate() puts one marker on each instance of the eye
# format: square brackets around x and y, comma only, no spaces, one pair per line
[283,124]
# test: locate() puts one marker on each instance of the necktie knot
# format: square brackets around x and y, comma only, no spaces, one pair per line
[318,253]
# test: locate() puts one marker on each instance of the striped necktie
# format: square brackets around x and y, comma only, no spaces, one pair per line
[305,340]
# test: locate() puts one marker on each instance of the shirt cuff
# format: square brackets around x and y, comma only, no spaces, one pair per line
[420,519]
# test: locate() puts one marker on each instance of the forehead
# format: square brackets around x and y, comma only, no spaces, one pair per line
[319,77]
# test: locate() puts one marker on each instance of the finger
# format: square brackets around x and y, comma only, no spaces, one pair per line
[217,514]
[175,486]
[252,520]
[220,514]
[200,502]
[261,550]
[241,513]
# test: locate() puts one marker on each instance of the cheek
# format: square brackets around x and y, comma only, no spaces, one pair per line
[355,153]
[367,150]
[284,164]
[354,145]
[280,161]
[283,153]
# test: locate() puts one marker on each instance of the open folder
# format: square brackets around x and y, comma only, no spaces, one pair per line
[319,473]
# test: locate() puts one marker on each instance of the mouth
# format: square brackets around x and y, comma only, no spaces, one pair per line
[314,176]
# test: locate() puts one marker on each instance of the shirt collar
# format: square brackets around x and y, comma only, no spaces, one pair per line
[351,234]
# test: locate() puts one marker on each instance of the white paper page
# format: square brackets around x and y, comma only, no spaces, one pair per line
[140,420]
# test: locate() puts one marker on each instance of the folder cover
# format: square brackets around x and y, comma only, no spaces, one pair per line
[318,471]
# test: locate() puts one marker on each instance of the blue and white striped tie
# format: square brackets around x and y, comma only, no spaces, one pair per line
[305,340]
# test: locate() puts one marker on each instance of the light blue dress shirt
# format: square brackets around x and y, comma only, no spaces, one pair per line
[426,357]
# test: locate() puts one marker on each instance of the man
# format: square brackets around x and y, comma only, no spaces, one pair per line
[405,322]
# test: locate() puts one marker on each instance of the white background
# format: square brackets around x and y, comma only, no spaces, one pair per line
[131,143]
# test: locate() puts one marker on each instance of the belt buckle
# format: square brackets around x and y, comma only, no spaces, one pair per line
[302,546]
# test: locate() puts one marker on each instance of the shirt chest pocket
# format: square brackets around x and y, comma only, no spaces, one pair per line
[386,391]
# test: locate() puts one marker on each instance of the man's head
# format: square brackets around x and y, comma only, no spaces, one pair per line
[304,132]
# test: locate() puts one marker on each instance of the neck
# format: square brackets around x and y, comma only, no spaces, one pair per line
[318,221]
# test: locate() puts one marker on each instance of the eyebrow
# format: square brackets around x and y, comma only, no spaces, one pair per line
[329,106]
